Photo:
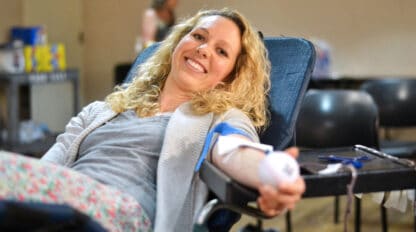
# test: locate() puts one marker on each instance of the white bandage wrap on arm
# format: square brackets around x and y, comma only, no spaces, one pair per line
[228,144]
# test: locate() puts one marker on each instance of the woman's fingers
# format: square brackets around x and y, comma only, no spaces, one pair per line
[297,187]
[293,151]
[273,201]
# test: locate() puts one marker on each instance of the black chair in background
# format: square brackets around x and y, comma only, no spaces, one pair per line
[337,119]
[396,101]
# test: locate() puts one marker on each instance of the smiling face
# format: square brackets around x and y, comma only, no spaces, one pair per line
[205,56]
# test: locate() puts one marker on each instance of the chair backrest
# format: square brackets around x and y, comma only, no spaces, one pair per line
[292,61]
[337,118]
[396,100]
[142,57]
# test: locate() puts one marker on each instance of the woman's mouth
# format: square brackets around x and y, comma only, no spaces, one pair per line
[195,65]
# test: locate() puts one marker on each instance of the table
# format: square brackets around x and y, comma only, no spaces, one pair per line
[395,176]
[378,174]
[12,82]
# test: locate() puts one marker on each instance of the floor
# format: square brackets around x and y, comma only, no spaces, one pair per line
[316,215]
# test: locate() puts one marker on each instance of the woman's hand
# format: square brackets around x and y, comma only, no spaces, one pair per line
[273,201]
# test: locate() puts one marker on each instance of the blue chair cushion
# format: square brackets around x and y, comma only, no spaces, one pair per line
[292,61]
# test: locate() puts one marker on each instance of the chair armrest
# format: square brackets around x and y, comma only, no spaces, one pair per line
[231,195]
[226,189]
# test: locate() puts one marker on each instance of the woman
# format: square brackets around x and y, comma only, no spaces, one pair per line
[212,68]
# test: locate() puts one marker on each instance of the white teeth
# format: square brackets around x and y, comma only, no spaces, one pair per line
[195,65]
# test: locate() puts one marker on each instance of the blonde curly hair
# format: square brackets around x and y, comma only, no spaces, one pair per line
[246,88]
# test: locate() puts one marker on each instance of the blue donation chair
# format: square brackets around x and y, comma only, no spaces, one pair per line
[292,61]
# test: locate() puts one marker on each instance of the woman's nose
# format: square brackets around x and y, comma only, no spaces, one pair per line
[203,50]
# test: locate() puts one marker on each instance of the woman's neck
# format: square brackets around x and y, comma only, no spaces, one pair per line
[170,100]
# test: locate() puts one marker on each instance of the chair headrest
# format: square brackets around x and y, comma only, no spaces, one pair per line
[337,118]
[396,100]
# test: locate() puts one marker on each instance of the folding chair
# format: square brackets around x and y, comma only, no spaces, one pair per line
[339,118]
[396,100]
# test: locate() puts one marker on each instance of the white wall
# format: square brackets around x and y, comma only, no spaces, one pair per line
[371,37]
[10,15]
[368,38]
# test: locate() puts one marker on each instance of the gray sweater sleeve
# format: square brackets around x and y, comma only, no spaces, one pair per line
[239,120]
[58,153]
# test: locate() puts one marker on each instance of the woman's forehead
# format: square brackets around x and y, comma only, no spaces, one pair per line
[219,24]
[221,28]
[209,20]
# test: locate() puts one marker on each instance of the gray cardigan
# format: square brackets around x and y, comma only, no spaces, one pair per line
[180,192]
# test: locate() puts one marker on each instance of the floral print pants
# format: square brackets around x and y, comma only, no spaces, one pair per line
[28,179]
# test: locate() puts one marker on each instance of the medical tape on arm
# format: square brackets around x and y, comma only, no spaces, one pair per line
[228,145]
[224,129]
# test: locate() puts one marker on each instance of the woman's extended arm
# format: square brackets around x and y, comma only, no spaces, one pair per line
[243,166]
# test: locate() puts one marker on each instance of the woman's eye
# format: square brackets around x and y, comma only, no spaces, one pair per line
[222,52]
[198,36]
